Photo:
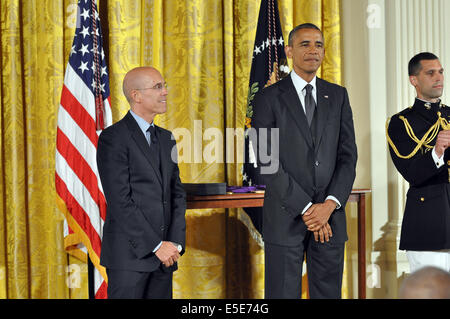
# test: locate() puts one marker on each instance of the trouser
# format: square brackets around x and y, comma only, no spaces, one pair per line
[324,266]
[126,284]
[420,259]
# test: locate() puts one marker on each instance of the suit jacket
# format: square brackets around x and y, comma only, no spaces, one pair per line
[426,220]
[313,163]
[145,205]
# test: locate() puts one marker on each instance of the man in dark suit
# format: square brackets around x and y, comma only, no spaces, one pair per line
[144,231]
[419,138]
[311,126]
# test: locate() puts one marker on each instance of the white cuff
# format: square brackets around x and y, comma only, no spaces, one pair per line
[439,161]
[334,199]
[306,208]
[179,247]
[157,247]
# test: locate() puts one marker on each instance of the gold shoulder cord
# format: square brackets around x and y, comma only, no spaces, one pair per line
[426,139]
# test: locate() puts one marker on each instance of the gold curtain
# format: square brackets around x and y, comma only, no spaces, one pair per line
[203,48]
[35,39]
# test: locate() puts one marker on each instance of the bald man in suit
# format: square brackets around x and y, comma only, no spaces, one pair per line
[144,231]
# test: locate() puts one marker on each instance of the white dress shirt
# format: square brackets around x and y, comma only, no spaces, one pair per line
[300,84]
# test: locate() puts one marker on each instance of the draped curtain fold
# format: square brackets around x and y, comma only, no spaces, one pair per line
[203,48]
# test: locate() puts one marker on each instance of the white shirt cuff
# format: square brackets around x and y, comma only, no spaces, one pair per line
[334,199]
[439,161]
[306,208]
[157,247]
[178,246]
[338,204]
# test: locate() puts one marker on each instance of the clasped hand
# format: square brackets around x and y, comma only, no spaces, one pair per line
[442,142]
[167,253]
[316,219]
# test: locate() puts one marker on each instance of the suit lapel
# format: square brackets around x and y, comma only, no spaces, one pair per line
[322,109]
[290,98]
[165,154]
[142,143]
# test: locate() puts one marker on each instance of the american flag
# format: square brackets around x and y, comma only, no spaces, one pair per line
[84,110]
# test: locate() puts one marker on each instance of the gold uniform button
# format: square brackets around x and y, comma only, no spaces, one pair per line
[448,163]
[422,199]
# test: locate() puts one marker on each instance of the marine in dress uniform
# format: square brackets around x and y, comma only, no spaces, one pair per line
[412,135]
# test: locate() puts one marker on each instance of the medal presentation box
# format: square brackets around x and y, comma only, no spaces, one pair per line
[204,189]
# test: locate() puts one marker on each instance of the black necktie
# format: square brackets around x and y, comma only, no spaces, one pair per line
[154,146]
[310,104]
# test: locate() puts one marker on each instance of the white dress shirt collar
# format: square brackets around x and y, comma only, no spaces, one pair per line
[300,84]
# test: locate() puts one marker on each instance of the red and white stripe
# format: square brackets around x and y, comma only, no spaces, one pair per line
[76,179]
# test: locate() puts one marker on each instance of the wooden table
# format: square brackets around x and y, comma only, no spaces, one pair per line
[359,196]
[257,200]
[226,201]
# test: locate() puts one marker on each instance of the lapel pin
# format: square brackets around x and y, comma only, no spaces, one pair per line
[325,96]
[428,105]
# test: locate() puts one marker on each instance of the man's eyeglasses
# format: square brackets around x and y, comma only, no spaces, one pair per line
[158,86]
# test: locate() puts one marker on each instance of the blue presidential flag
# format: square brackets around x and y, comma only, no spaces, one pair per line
[269,65]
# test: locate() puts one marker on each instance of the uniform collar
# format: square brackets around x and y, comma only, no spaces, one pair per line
[427,105]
